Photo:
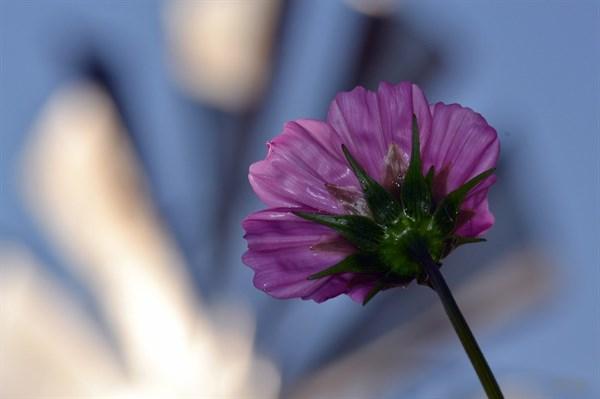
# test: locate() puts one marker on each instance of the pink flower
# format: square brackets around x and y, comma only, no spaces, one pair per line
[344,195]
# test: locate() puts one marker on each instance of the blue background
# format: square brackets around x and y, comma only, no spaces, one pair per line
[530,67]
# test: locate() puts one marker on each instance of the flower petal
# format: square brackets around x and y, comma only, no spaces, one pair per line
[369,122]
[360,290]
[476,204]
[301,162]
[461,145]
[284,250]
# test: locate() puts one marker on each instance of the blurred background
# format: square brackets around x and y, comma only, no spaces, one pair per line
[127,129]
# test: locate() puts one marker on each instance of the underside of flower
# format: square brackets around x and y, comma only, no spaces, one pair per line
[349,199]
[396,222]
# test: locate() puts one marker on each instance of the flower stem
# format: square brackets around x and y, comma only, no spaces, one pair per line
[488,381]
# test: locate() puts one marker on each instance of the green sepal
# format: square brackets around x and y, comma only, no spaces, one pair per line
[429,178]
[359,230]
[416,191]
[448,209]
[429,181]
[384,208]
[352,264]
[457,241]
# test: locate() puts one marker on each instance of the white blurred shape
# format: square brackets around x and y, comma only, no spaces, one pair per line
[222,49]
[48,347]
[82,183]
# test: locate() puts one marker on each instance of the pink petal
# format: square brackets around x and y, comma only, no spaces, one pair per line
[300,161]
[368,122]
[281,252]
[360,290]
[461,145]
[477,203]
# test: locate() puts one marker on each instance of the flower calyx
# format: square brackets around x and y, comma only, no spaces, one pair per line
[398,222]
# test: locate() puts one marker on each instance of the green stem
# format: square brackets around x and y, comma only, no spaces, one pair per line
[488,381]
